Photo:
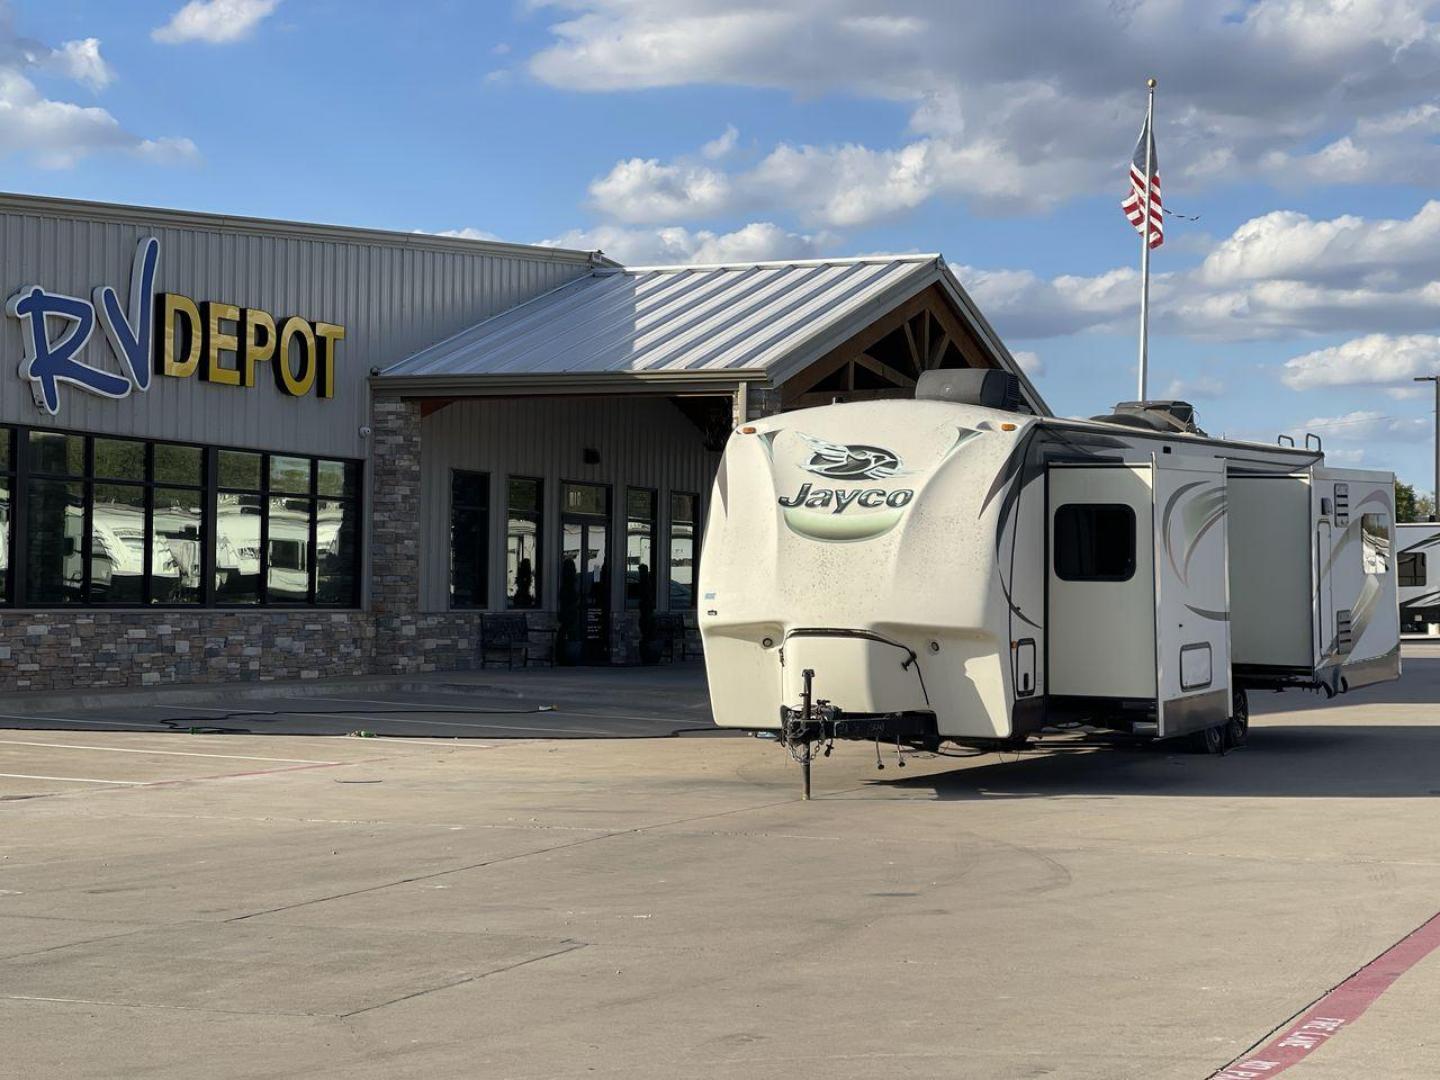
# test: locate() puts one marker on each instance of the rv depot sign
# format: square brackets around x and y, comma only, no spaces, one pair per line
[167,334]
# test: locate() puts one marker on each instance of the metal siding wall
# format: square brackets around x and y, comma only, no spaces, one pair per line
[392,298]
[643,442]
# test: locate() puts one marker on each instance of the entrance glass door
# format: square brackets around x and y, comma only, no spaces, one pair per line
[585,574]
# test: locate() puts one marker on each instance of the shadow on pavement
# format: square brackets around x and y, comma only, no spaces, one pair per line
[1370,761]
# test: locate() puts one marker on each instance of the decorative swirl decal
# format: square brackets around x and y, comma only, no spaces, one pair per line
[835,461]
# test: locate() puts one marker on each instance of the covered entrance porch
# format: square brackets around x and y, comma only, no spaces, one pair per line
[566,449]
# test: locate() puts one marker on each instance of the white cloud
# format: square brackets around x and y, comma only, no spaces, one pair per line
[171,150]
[1024,305]
[1367,425]
[82,62]
[1287,244]
[1029,362]
[217,22]
[1012,112]
[722,144]
[644,190]
[1197,388]
[467,233]
[55,133]
[756,242]
[1373,360]
[1281,275]
[1352,456]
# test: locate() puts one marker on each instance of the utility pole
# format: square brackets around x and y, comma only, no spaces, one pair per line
[1435,505]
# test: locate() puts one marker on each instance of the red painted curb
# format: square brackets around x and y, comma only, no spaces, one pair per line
[1341,1006]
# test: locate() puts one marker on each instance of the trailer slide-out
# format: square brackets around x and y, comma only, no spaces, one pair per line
[943,569]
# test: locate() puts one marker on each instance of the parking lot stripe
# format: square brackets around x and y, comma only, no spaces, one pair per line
[166,753]
[1343,1005]
[72,779]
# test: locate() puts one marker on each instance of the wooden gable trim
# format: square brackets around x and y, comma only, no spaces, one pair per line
[798,391]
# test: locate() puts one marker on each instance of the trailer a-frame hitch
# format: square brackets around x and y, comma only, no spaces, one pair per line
[816,723]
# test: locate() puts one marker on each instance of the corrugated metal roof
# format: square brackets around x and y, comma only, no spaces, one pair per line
[752,317]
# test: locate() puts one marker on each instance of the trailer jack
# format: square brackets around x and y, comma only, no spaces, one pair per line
[816,723]
[803,730]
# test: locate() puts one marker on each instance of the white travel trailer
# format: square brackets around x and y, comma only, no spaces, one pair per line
[951,568]
[1417,571]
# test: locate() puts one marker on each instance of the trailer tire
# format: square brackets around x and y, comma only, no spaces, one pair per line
[1237,729]
[1210,740]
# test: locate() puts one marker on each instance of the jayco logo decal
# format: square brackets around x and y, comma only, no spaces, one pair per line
[841,514]
[837,462]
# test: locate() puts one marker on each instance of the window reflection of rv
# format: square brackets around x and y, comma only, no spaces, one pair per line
[237,544]
[289,543]
[117,552]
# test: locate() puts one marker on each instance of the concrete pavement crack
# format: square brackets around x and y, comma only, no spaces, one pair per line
[505,859]
[575,946]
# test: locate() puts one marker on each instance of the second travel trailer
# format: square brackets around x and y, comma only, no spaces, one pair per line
[1417,572]
[954,568]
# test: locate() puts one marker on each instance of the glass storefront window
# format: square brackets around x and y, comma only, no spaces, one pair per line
[469,533]
[183,465]
[338,478]
[117,544]
[6,484]
[337,531]
[175,550]
[57,454]
[119,459]
[639,548]
[522,543]
[239,470]
[54,571]
[112,521]
[684,516]
[7,488]
[287,546]
[237,548]
[290,474]
[587,499]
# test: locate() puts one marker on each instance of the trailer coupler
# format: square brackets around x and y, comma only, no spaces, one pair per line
[815,725]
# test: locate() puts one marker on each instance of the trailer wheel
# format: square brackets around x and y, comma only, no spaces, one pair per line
[1209,741]
[1237,731]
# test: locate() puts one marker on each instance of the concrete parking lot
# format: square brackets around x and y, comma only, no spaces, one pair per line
[556,903]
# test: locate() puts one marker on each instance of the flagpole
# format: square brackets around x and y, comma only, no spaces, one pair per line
[1145,244]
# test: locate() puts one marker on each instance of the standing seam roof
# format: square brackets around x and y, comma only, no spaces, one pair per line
[746,317]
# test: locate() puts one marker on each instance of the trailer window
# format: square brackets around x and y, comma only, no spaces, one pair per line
[1375,532]
[1411,569]
[1095,542]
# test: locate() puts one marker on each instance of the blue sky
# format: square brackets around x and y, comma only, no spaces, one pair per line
[1302,134]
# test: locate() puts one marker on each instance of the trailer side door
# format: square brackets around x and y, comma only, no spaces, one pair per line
[1192,594]
[1100,636]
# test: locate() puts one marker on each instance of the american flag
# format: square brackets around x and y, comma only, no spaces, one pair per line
[1134,204]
